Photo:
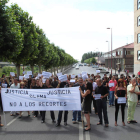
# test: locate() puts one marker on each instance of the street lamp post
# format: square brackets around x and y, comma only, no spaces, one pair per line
[108,53]
[111,49]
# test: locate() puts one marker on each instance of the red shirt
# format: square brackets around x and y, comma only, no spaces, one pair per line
[139,73]
[115,84]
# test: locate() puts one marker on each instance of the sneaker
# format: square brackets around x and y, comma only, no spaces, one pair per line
[65,123]
[106,125]
[74,122]
[79,120]
[42,121]
[58,124]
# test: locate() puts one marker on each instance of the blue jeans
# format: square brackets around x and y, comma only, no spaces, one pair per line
[75,116]
[111,97]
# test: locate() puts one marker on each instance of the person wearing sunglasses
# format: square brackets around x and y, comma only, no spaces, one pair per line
[22,86]
[120,91]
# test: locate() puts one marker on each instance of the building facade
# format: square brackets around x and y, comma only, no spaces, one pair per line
[122,58]
[136,36]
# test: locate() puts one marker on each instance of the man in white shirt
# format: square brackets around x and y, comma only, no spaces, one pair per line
[132,94]
[15,85]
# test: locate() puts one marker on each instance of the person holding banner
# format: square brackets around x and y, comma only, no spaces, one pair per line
[37,86]
[132,94]
[54,83]
[1,100]
[22,86]
[101,102]
[15,85]
[87,103]
[120,91]
[62,85]
[0,122]
[48,86]
[78,113]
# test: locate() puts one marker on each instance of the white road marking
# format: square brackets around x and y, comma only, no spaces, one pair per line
[87,136]
[13,120]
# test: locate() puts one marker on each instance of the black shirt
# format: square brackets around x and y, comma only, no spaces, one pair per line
[55,84]
[82,88]
[101,90]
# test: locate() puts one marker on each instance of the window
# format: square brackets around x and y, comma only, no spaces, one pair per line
[138,4]
[139,38]
[138,20]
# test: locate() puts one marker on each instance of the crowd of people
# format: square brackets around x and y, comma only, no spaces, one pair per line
[110,89]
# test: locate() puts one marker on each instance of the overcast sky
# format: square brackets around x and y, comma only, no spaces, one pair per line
[79,26]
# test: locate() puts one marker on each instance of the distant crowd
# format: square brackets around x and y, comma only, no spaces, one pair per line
[118,90]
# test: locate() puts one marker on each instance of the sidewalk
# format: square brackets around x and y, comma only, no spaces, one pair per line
[113,71]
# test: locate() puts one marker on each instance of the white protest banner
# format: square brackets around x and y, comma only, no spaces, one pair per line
[29,72]
[26,76]
[79,75]
[39,75]
[97,96]
[84,77]
[72,76]
[59,74]
[97,71]
[72,81]
[46,74]
[43,80]
[4,85]
[23,72]
[84,73]
[63,78]
[41,99]
[121,100]
[12,74]
[21,77]
[111,84]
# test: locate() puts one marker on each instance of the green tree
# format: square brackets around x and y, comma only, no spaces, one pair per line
[11,38]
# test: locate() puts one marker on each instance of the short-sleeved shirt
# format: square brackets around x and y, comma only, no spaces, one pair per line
[115,84]
[101,90]
[132,96]
[14,86]
[94,84]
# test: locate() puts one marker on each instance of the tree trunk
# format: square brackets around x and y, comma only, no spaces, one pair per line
[61,68]
[18,70]
[39,68]
[51,70]
[32,69]
[54,70]
[57,69]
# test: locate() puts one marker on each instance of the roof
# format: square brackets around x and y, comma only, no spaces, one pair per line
[131,45]
[126,46]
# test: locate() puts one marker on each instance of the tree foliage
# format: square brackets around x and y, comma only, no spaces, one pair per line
[23,42]
[90,55]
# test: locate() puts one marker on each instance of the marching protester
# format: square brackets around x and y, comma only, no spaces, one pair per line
[62,85]
[37,86]
[22,86]
[111,91]
[120,91]
[101,103]
[1,100]
[138,83]
[132,94]
[78,113]
[15,85]
[55,82]
[87,103]
[47,85]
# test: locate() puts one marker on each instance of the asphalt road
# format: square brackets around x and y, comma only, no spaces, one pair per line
[30,128]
